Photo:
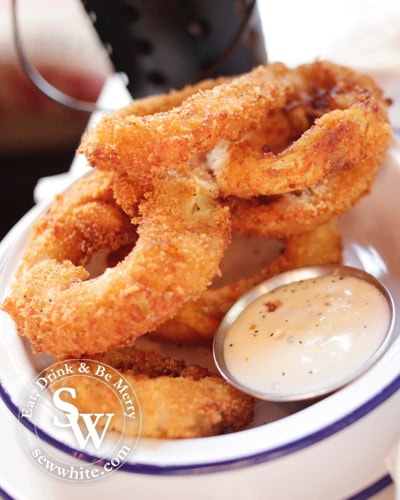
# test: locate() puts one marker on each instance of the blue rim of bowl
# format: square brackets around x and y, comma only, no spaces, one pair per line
[209,467]
[239,462]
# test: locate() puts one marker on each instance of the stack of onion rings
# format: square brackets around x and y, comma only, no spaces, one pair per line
[277,153]
[351,126]
[330,127]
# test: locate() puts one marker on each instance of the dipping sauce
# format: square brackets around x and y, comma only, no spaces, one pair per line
[307,335]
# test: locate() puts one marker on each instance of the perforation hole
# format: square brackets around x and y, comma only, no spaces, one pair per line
[157,78]
[198,29]
[130,14]
[142,47]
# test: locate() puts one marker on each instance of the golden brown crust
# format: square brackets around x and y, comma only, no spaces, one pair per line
[292,213]
[134,145]
[81,222]
[164,102]
[176,401]
[339,139]
[64,314]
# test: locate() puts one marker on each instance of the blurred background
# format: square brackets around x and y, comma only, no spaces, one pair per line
[39,137]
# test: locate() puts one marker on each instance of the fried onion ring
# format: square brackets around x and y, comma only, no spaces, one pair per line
[339,139]
[176,401]
[298,211]
[197,321]
[64,313]
[350,126]
[133,144]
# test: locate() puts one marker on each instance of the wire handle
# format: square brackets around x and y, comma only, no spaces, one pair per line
[86,106]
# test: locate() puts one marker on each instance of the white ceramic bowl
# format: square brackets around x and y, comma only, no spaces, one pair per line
[333,448]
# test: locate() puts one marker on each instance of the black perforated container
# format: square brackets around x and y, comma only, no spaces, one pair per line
[164,44]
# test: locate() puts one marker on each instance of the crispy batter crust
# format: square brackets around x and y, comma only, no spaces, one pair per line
[292,213]
[64,313]
[345,118]
[176,401]
[133,145]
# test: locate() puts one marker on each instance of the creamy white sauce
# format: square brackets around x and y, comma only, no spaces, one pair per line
[307,335]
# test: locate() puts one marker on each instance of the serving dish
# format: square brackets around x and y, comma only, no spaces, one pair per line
[334,447]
